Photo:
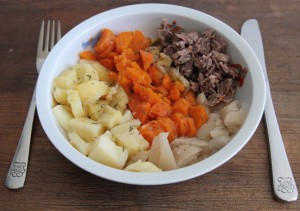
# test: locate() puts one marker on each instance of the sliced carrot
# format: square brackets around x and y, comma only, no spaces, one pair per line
[168,125]
[124,81]
[161,109]
[184,124]
[106,52]
[174,94]
[106,40]
[191,127]
[147,59]
[199,115]
[113,75]
[108,63]
[88,55]
[177,85]
[156,75]
[166,82]
[138,42]
[190,96]
[112,54]
[140,109]
[150,130]
[161,89]
[181,106]
[123,41]
[131,55]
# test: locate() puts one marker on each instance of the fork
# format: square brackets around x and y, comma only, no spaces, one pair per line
[18,169]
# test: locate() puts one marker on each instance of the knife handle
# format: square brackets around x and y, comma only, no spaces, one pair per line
[284,185]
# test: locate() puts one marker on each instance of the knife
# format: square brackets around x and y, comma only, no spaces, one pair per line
[284,185]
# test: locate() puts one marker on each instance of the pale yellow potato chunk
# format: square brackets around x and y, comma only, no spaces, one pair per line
[141,166]
[90,91]
[110,117]
[63,117]
[60,95]
[66,80]
[78,143]
[105,151]
[76,104]
[86,128]
[86,72]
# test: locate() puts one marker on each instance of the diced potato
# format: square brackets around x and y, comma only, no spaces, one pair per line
[103,73]
[133,141]
[86,128]
[110,117]
[129,137]
[112,91]
[66,80]
[122,128]
[90,91]
[119,100]
[95,110]
[60,96]
[85,72]
[105,151]
[140,166]
[76,104]
[79,144]
[127,116]
[63,117]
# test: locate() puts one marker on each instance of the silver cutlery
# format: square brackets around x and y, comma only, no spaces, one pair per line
[284,185]
[18,169]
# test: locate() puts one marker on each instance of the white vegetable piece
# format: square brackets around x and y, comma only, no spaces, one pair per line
[186,150]
[87,128]
[90,91]
[219,131]
[63,117]
[105,151]
[161,154]
[141,166]
[76,104]
[66,80]
[110,117]
[232,106]
[79,144]
[234,119]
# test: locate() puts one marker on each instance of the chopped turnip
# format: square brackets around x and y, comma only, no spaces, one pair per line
[234,119]
[161,154]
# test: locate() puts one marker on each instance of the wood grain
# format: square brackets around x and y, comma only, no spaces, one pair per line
[54,183]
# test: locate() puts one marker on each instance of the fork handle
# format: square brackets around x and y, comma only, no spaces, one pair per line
[18,169]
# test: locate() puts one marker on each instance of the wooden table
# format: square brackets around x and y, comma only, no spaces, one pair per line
[53,182]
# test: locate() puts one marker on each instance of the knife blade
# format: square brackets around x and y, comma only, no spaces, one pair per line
[284,185]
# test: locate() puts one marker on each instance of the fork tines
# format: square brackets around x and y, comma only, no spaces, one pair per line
[45,35]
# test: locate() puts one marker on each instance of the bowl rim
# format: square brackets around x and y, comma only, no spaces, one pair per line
[160,178]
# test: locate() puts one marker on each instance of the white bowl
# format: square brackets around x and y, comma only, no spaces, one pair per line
[147,18]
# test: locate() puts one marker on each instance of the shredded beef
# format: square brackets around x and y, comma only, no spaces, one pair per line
[202,59]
